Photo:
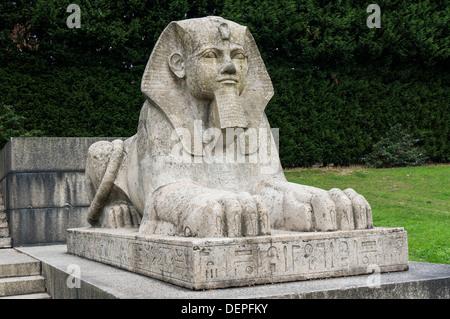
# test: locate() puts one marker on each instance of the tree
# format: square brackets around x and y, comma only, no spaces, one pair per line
[338,84]
[12,125]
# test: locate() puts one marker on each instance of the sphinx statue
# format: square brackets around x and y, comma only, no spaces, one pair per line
[204,161]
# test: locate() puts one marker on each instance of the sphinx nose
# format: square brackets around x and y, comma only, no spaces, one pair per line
[228,68]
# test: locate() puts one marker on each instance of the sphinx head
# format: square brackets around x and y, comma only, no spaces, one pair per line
[208,63]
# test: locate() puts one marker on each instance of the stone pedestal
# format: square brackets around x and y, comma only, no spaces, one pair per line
[208,263]
[43,186]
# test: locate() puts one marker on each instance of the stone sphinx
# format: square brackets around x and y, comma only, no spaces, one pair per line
[198,197]
[206,89]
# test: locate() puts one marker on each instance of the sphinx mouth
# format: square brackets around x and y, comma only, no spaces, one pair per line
[228,80]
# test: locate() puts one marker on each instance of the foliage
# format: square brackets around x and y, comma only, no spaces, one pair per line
[12,125]
[338,84]
[396,149]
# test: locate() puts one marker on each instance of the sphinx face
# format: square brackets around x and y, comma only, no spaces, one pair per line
[216,67]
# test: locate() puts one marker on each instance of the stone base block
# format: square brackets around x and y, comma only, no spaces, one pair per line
[208,263]
[43,187]
[5,242]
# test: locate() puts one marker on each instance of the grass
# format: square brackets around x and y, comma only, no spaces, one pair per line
[416,198]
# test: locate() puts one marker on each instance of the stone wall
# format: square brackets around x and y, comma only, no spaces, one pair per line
[43,186]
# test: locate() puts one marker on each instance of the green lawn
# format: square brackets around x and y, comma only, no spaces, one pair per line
[416,198]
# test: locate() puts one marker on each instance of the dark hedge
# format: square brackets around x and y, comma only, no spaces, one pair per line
[339,86]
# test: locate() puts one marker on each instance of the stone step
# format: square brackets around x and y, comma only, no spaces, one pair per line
[3,223]
[13,286]
[4,232]
[3,219]
[40,295]
[16,264]
[5,242]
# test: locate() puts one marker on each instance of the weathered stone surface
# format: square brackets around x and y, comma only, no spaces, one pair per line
[99,280]
[21,285]
[44,225]
[4,232]
[43,187]
[204,161]
[39,295]
[16,264]
[3,220]
[5,240]
[20,274]
[47,189]
[40,154]
[205,263]
[202,180]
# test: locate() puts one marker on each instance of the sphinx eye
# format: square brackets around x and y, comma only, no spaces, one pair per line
[210,55]
[239,56]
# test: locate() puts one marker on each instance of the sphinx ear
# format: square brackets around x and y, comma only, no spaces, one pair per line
[177,66]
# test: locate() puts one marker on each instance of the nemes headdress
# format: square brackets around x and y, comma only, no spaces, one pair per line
[163,88]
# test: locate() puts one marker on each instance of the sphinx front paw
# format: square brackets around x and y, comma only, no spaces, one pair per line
[304,208]
[352,209]
[225,215]
[120,216]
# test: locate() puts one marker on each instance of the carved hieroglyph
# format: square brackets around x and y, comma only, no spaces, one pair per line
[206,263]
[204,162]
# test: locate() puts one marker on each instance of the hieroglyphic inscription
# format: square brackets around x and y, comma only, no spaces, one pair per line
[141,256]
[298,258]
[209,264]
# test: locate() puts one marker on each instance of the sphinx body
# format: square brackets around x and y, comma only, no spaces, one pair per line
[204,161]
